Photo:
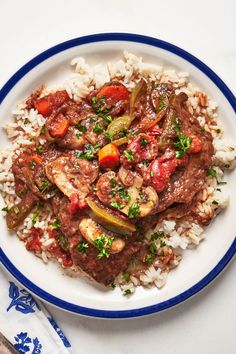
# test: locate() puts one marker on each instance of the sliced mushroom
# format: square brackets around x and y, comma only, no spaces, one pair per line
[129,178]
[59,172]
[146,198]
[91,231]
[149,201]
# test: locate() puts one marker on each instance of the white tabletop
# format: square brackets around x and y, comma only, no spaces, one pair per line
[206,323]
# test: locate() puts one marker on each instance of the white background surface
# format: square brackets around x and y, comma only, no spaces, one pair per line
[205,324]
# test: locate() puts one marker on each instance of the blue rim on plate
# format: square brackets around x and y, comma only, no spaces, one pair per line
[232,249]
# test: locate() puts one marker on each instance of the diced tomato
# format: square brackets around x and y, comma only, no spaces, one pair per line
[76,203]
[196,145]
[58,126]
[45,105]
[34,244]
[57,252]
[159,175]
[109,156]
[116,92]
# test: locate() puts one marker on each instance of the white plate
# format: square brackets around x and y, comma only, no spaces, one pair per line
[199,266]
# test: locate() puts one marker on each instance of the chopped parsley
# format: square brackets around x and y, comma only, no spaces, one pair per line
[107,119]
[44,185]
[154,85]
[143,142]
[26,121]
[16,210]
[218,131]
[123,133]
[182,144]
[113,182]
[82,247]
[117,205]
[123,194]
[162,243]
[108,136]
[153,248]
[99,104]
[6,209]
[40,149]
[35,217]
[43,129]
[221,183]
[177,125]
[129,155]
[103,244]
[97,128]
[56,224]
[211,172]
[32,164]
[157,235]
[134,211]
[127,292]
[149,259]
[81,128]
[113,286]
[215,202]
[63,242]
[160,107]
[88,153]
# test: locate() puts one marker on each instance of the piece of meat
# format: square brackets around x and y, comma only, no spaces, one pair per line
[185,183]
[103,270]
[106,186]
[72,139]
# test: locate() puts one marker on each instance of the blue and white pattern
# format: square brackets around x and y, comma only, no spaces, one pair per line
[21,300]
[27,324]
[24,344]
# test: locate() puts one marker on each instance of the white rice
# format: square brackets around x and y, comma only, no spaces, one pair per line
[178,236]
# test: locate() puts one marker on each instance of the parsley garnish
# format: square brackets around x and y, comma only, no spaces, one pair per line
[88,153]
[177,125]
[103,244]
[123,194]
[32,164]
[6,209]
[211,172]
[44,185]
[215,202]
[108,136]
[113,182]
[221,183]
[43,129]
[113,285]
[81,128]
[149,259]
[162,243]
[82,247]
[56,224]
[153,248]
[157,235]
[117,205]
[63,242]
[134,211]
[35,218]
[182,145]
[129,155]
[160,107]
[97,128]
[143,142]
[127,292]
[154,85]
